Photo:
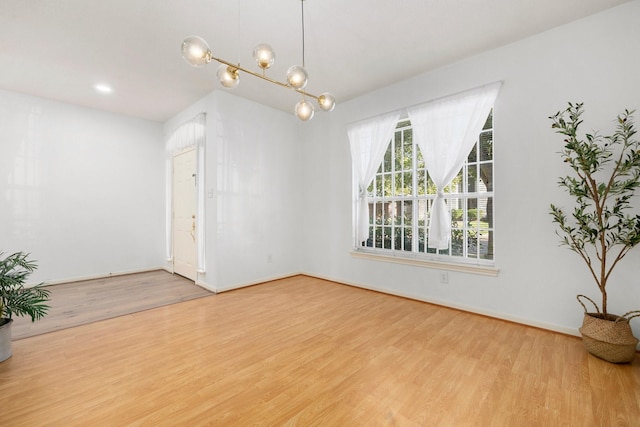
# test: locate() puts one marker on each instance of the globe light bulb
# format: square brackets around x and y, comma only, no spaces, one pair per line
[297,77]
[304,110]
[326,101]
[264,55]
[228,76]
[196,51]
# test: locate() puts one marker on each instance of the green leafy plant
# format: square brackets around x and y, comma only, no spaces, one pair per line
[606,174]
[15,298]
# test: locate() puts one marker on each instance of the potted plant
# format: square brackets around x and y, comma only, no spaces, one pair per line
[17,299]
[600,228]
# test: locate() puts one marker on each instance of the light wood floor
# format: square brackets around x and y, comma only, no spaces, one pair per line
[307,352]
[77,303]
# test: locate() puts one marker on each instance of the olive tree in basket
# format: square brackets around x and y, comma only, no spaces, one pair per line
[601,226]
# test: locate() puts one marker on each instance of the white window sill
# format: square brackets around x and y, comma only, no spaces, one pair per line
[440,265]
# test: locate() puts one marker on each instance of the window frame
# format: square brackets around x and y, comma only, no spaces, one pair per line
[418,225]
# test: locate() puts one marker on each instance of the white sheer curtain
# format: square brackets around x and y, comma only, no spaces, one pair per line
[446,130]
[369,140]
[189,134]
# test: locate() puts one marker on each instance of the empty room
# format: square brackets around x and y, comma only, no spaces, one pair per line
[319,213]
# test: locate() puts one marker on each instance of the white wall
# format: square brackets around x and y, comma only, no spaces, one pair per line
[253,172]
[84,190]
[79,188]
[594,60]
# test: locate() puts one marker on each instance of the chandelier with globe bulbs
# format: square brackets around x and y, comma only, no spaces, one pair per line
[196,52]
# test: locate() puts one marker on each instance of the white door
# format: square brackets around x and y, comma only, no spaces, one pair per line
[184,214]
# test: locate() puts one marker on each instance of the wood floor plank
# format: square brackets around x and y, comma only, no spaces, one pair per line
[308,352]
[76,303]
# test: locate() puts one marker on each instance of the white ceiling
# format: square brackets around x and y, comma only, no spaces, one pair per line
[59,49]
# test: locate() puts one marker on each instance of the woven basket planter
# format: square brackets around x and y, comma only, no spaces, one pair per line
[609,338]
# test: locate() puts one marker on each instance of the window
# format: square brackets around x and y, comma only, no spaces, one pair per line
[401,195]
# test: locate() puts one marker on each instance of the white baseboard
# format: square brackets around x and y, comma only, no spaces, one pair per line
[462,307]
[258,282]
[101,276]
[206,286]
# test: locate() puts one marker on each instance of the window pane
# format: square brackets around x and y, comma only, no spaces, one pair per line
[386,192]
[375,235]
[378,237]
[485,182]
[486,146]
[386,164]
[379,214]
[397,152]
[486,244]
[378,185]
[386,237]
[407,212]
[472,244]
[385,214]
[457,220]
[371,212]
[408,136]
[419,158]
[421,182]
[473,213]
[407,151]
[487,217]
[407,239]
[456,184]
[408,184]
[473,155]
[457,242]
[489,123]
[397,239]
[472,178]
[455,203]
[423,212]
[396,213]
[399,190]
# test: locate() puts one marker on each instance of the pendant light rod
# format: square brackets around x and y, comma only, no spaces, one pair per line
[302,3]
[262,76]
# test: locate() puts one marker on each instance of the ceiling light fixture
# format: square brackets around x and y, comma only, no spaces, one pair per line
[196,52]
[103,88]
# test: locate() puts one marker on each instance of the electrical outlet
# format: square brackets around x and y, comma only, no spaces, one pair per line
[444,277]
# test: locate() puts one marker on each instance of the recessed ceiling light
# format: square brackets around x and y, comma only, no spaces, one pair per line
[103,88]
